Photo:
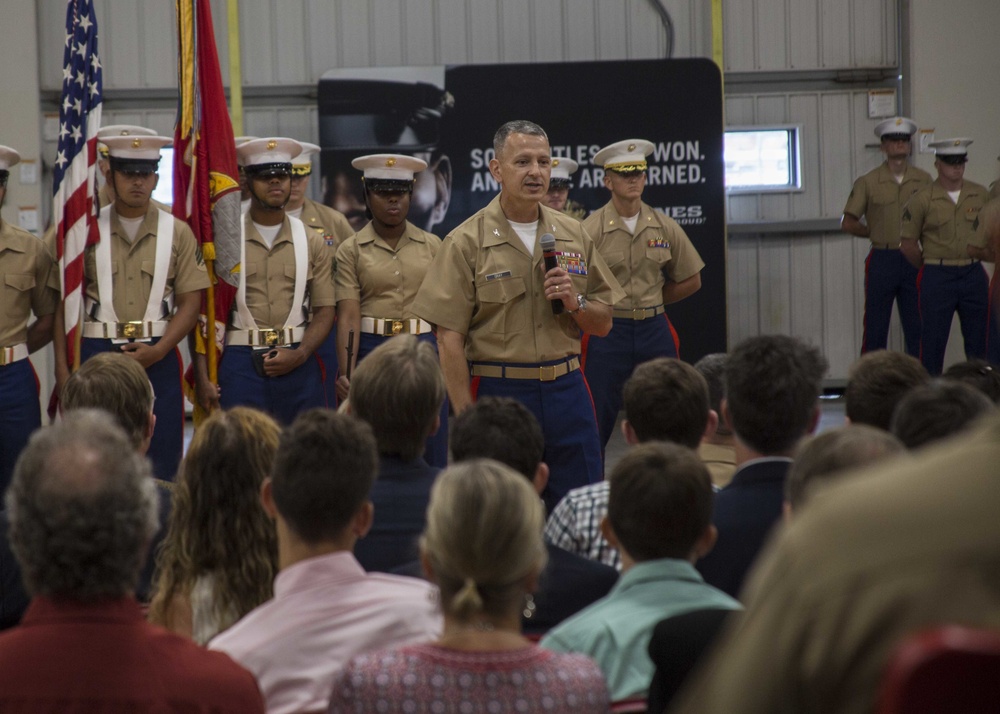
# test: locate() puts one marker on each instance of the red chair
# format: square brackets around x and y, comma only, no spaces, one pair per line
[946,670]
[629,706]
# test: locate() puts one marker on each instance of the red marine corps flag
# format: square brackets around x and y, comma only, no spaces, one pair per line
[74,208]
[206,191]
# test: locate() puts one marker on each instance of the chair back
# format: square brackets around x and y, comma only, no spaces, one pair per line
[945,670]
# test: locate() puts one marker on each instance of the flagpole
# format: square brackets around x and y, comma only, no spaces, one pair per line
[205,175]
[235,69]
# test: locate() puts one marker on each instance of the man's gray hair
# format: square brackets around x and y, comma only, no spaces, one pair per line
[83,508]
[518,126]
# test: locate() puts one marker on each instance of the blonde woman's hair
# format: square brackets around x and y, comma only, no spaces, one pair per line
[483,538]
[218,525]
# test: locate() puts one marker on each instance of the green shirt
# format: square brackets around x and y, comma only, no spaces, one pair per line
[615,631]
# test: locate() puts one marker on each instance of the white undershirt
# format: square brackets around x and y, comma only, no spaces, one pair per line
[526,232]
[131,226]
[296,213]
[954,195]
[268,233]
[630,223]
[898,177]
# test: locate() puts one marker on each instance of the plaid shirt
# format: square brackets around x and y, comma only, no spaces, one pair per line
[575,524]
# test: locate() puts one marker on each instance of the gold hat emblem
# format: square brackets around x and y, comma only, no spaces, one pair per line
[631,147]
[958,142]
[271,145]
[136,143]
[555,162]
[390,162]
[898,122]
[123,132]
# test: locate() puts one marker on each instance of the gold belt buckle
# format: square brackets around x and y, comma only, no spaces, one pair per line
[547,373]
[397,327]
[131,330]
[269,338]
[3,356]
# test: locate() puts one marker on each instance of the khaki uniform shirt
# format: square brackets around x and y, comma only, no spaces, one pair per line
[660,248]
[943,227]
[270,275]
[870,559]
[132,265]
[878,198]
[383,280]
[995,190]
[30,283]
[485,285]
[328,224]
[720,461]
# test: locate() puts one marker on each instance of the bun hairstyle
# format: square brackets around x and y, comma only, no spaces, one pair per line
[483,538]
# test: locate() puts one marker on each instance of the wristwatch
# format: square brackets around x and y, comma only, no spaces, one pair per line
[581,301]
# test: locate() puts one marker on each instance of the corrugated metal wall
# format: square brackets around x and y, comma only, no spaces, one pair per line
[807,284]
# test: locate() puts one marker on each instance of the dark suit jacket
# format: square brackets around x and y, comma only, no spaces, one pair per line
[13,599]
[745,512]
[677,645]
[567,585]
[400,495]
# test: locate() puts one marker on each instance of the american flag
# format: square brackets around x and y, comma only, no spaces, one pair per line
[74,207]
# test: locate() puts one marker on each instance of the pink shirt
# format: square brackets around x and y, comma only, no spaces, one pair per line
[325,611]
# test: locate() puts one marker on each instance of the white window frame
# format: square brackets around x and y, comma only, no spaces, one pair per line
[794,185]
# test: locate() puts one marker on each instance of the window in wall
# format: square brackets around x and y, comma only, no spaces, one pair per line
[762,158]
[164,191]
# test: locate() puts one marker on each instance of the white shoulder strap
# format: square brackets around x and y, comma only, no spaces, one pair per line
[243,320]
[102,256]
[164,248]
[301,245]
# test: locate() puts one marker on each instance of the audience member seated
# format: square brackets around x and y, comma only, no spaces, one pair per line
[937,410]
[398,389]
[977,373]
[83,508]
[717,450]
[483,547]
[676,647]
[660,519]
[870,561]
[876,383]
[505,430]
[773,383]
[220,554]
[325,609]
[118,385]
[664,400]
[826,457]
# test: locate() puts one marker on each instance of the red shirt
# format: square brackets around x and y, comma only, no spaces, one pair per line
[74,657]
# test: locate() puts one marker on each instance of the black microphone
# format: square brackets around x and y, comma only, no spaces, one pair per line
[549,255]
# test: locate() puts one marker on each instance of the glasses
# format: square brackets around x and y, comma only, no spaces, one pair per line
[268,175]
[628,174]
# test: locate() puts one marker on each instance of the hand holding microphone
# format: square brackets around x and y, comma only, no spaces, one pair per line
[548,243]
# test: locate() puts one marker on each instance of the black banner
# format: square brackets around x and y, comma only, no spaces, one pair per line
[583,106]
